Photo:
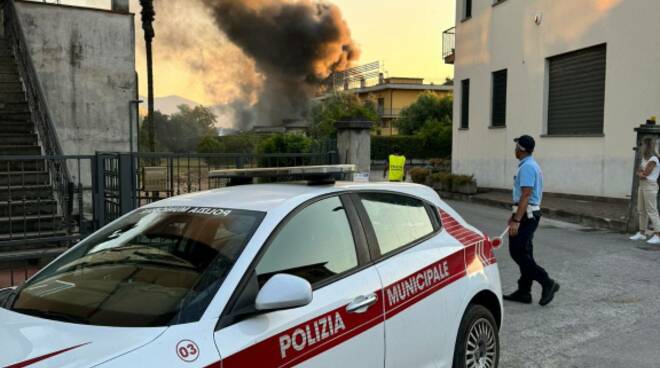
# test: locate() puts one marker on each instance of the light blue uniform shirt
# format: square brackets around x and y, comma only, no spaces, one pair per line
[529,175]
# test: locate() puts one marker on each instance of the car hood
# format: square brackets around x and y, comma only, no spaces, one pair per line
[29,341]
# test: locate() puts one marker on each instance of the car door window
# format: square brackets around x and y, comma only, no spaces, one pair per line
[397,220]
[315,244]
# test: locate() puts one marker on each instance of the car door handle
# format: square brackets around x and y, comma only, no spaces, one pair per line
[362,303]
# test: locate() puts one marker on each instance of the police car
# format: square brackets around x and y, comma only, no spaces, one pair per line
[269,275]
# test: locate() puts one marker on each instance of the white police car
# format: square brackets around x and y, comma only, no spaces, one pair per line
[273,275]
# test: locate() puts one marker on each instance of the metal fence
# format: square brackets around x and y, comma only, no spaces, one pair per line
[119,192]
[40,218]
[37,207]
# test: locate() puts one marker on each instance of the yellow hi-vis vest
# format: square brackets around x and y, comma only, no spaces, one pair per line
[397,167]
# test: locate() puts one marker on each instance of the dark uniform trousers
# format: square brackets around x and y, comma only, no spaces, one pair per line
[521,248]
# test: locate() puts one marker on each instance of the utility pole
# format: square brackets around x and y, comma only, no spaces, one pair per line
[148,15]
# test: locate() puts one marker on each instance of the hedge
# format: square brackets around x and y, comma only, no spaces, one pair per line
[413,147]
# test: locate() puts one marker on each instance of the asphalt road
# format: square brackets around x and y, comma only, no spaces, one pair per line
[607,313]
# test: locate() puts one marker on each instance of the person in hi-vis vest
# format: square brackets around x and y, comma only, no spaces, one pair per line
[396,165]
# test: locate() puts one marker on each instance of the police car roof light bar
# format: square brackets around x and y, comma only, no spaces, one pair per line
[314,175]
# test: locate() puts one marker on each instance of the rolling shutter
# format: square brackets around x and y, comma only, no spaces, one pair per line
[576,96]
[498,113]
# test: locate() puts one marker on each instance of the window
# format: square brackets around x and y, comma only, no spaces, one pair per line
[576,92]
[498,113]
[316,244]
[397,220]
[381,105]
[465,104]
[467,9]
[155,267]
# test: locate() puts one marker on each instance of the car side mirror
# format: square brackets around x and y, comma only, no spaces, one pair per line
[284,291]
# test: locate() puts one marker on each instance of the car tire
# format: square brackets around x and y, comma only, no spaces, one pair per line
[478,342]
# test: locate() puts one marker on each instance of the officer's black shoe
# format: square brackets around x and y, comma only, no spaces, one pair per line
[549,292]
[519,297]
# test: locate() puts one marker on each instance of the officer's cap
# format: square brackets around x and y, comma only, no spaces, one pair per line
[526,142]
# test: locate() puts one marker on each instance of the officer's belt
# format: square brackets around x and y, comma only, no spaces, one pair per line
[530,209]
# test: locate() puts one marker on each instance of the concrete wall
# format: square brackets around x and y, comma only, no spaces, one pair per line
[506,36]
[85,59]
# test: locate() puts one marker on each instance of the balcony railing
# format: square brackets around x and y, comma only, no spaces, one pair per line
[449,45]
[384,112]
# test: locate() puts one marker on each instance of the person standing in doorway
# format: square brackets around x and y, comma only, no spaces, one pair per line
[647,195]
[527,196]
[396,165]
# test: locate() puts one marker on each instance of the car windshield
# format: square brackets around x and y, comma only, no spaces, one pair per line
[153,267]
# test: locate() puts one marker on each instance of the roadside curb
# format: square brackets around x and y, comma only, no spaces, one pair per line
[601,223]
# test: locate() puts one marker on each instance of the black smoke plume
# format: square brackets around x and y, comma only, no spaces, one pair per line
[295,44]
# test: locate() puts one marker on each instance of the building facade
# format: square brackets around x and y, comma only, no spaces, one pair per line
[85,61]
[394,94]
[579,76]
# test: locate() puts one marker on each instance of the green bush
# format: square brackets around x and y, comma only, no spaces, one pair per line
[419,175]
[447,182]
[239,143]
[462,179]
[209,144]
[440,164]
[441,181]
[284,143]
[437,136]
[413,147]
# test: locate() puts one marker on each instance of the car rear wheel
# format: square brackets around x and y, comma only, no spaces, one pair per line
[478,342]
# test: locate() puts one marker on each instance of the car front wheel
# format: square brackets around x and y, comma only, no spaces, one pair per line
[478,342]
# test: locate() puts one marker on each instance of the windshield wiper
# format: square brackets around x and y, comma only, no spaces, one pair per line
[58,316]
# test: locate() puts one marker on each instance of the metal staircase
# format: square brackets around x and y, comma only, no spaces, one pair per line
[34,185]
[28,208]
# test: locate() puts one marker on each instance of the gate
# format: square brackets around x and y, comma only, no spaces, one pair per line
[125,182]
[41,214]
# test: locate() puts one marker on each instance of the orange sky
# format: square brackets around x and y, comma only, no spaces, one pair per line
[404,34]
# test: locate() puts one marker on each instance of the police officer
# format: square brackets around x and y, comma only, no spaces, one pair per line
[396,164]
[527,196]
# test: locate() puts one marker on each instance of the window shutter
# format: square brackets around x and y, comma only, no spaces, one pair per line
[465,104]
[576,96]
[498,113]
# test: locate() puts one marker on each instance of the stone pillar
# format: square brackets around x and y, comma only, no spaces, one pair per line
[354,146]
[120,6]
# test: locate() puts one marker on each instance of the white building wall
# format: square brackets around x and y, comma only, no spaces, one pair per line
[505,36]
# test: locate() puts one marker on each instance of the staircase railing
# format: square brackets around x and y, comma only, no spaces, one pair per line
[38,107]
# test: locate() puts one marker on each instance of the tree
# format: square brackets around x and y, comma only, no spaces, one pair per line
[436,136]
[147,128]
[428,107]
[210,144]
[340,106]
[182,131]
[285,143]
